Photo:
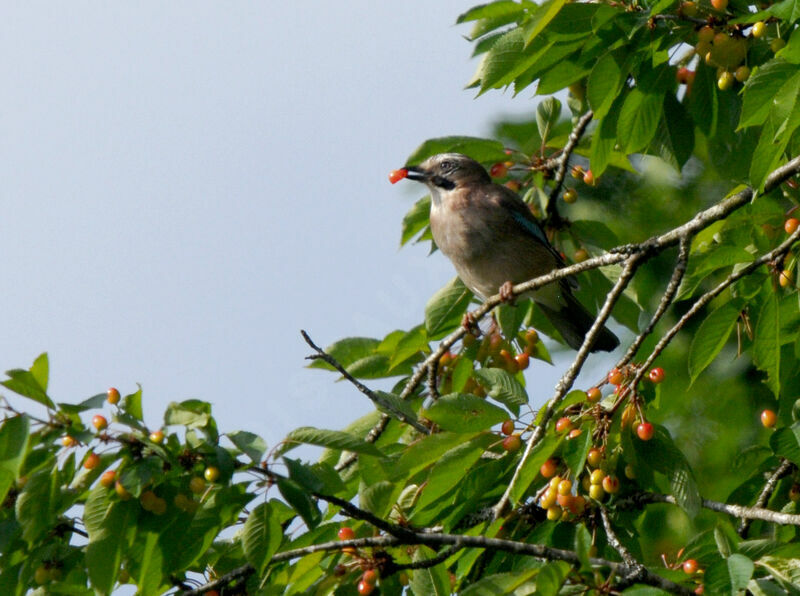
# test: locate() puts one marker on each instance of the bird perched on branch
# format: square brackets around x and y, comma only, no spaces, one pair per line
[490,236]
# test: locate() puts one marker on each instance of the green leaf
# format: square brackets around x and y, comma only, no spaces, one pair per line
[490,10]
[785,571]
[132,404]
[503,387]
[261,536]
[445,309]
[767,342]
[13,446]
[411,343]
[677,133]
[108,543]
[248,443]
[416,220]
[711,337]
[376,497]
[424,452]
[394,406]
[36,504]
[348,352]
[663,456]
[541,18]
[703,102]
[26,383]
[548,113]
[41,370]
[511,316]
[551,578]
[303,475]
[508,58]
[605,138]
[147,569]
[300,501]
[787,10]
[740,570]
[785,442]
[529,471]
[638,120]
[761,88]
[574,451]
[333,439]
[501,583]
[605,82]
[464,413]
[483,150]
[433,581]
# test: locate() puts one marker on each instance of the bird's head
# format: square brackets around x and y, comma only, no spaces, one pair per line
[448,171]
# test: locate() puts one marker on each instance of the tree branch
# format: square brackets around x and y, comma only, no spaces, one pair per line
[561,164]
[769,487]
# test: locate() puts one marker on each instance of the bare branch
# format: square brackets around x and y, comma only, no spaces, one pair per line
[376,399]
[769,487]
[561,163]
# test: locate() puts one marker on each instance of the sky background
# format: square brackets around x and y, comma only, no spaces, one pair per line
[186,185]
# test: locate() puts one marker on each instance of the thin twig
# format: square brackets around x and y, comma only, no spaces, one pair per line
[769,487]
[561,164]
[615,543]
[376,399]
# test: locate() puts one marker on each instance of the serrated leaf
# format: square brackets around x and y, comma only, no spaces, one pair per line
[376,497]
[638,119]
[348,351]
[333,439]
[107,544]
[761,88]
[249,443]
[490,10]
[529,471]
[605,82]
[574,452]
[413,342]
[483,150]
[551,578]
[25,383]
[541,18]
[503,387]
[464,412]
[663,456]
[785,442]
[445,309]
[547,114]
[703,102]
[767,342]
[261,536]
[300,501]
[501,583]
[416,220]
[710,338]
[510,317]
[14,434]
[433,581]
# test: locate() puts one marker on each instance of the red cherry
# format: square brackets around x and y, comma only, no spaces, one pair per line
[791,225]
[683,75]
[512,443]
[588,178]
[656,375]
[615,377]
[645,431]
[92,461]
[594,457]
[99,422]
[346,533]
[108,478]
[397,175]
[370,576]
[523,360]
[508,427]
[594,395]
[769,418]
[548,468]
[719,5]
[690,566]
[364,588]
[575,432]
[563,424]
[498,170]
[112,395]
[611,484]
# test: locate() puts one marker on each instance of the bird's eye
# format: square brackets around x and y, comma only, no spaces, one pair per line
[446,165]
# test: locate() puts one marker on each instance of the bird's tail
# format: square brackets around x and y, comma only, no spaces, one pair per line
[573,321]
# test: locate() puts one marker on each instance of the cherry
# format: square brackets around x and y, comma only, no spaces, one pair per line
[577,172]
[41,575]
[777,45]
[719,5]
[92,461]
[594,395]
[596,477]
[690,566]
[615,376]
[769,418]
[688,9]
[159,506]
[513,185]
[157,436]
[365,588]
[370,576]
[611,484]
[565,487]
[645,431]
[791,224]
[197,485]
[725,81]
[758,29]
[112,395]
[108,478]
[147,500]
[549,498]
[575,432]
[580,255]
[701,589]
[512,443]
[121,491]
[656,375]
[706,34]
[99,422]
[594,457]
[549,468]
[498,170]
[684,75]
[563,424]
[596,492]
[211,473]
[523,360]
[742,73]
[588,178]
[531,337]
[397,175]
[630,473]
[785,279]
[794,493]
[554,512]
[68,441]
[508,427]
[570,195]
[346,533]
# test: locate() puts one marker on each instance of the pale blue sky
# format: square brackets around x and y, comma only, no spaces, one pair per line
[185,185]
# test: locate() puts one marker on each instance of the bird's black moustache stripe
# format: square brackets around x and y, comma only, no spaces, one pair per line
[443,182]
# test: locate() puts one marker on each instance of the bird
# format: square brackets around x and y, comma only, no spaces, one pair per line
[493,240]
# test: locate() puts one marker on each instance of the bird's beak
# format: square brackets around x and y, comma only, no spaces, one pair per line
[417,173]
